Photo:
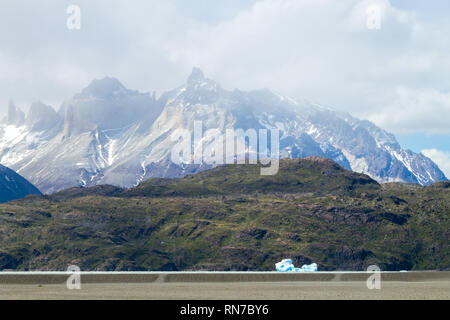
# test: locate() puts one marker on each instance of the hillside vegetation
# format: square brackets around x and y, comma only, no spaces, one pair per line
[232,218]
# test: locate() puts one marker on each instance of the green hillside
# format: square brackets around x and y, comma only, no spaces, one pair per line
[232,218]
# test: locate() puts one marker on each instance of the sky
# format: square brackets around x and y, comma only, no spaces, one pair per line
[320,50]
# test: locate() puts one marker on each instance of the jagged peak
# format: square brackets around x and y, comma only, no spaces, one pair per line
[41,116]
[105,87]
[196,76]
[197,89]
[40,107]
[15,115]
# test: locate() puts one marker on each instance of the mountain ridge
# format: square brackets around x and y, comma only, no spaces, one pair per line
[313,210]
[14,186]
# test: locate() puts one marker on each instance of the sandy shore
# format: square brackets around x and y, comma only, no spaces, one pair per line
[232,291]
[225,285]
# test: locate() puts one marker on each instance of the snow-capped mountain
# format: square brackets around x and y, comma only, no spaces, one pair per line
[108,134]
[13,186]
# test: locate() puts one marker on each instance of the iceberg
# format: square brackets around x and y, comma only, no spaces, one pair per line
[286,265]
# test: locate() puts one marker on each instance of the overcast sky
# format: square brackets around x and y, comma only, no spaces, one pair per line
[321,50]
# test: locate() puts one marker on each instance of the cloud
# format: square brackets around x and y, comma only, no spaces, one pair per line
[42,59]
[323,51]
[441,158]
[415,111]
[320,50]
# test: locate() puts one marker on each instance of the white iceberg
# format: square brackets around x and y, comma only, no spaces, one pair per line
[286,265]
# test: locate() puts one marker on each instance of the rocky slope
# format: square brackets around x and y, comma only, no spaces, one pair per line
[232,218]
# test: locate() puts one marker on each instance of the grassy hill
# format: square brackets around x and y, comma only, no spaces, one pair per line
[232,218]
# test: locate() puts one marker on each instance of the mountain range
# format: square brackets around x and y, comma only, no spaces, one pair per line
[108,134]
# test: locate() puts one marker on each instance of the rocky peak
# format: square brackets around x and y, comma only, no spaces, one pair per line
[196,76]
[197,90]
[107,104]
[42,117]
[107,87]
[15,115]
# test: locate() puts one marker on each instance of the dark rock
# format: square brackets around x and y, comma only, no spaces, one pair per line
[7,261]
[255,233]
[293,237]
